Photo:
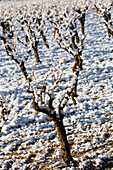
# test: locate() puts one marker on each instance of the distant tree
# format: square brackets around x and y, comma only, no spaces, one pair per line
[104,13]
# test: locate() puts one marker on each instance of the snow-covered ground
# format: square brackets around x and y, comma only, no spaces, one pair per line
[29,140]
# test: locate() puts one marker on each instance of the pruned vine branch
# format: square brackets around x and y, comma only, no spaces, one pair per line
[104,13]
[57,118]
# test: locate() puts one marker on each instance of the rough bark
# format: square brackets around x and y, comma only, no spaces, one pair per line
[82,22]
[23,70]
[44,38]
[65,149]
[36,54]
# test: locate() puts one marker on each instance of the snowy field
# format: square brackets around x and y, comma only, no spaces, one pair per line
[29,140]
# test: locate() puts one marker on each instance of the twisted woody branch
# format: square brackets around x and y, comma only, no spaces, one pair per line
[31,35]
[11,47]
[73,44]
[57,118]
[9,50]
[104,13]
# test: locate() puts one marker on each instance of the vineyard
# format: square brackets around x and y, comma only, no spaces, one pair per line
[56,85]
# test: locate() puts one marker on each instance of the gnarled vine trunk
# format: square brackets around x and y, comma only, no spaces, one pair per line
[60,129]
[65,149]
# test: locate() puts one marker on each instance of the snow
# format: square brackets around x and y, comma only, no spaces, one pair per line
[89,124]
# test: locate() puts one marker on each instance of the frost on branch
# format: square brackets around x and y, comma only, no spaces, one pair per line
[4,110]
[11,50]
[81,17]
[71,45]
[70,37]
[67,33]
[32,27]
[40,105]
[105,13]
